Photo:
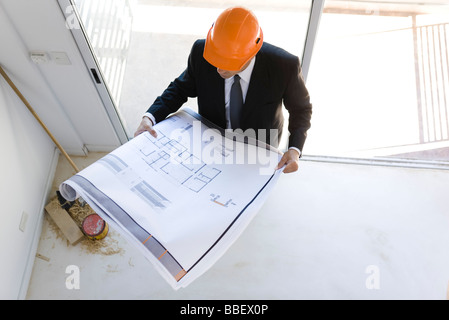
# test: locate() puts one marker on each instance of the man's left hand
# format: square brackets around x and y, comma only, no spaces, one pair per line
[291,161]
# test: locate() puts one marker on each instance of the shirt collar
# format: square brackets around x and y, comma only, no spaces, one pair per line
[245,75]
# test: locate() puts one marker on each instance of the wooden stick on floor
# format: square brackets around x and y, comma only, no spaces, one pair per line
[19,94]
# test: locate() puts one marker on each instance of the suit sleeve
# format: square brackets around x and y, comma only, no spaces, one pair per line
[178,91]
[297,102]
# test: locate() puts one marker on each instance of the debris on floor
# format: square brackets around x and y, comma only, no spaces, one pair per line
[105,246]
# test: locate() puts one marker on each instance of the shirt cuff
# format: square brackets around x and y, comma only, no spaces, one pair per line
[150,116]
[294,148]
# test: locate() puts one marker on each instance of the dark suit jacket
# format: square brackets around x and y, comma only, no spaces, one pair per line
[276,79]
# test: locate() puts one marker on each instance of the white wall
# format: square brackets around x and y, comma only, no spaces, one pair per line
[66,99]
[27,162]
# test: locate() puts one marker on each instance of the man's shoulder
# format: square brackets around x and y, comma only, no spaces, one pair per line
[277,52]
[199,44]
[197,49]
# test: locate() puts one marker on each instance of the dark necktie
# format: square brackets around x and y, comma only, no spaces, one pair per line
[236,102]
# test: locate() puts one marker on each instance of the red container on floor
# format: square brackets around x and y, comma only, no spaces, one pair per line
[94,227]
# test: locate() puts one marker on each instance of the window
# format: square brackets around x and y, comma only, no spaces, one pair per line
[379,81]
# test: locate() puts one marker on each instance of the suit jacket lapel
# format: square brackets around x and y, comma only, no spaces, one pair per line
[258,84]
[217,95]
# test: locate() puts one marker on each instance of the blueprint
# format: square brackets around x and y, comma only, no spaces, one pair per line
[183,197]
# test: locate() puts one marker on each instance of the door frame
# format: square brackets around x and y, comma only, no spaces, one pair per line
[93,67]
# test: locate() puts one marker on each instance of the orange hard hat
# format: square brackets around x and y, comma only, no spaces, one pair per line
[233,39]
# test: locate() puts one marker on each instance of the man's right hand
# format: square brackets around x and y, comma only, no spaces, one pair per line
[146,125]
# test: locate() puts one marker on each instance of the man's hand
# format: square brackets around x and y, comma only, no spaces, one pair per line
[291,161]
[146,125]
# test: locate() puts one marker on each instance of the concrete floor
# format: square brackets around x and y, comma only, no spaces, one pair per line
[329,231]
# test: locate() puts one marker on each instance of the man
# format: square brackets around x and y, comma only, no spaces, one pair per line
[268,76]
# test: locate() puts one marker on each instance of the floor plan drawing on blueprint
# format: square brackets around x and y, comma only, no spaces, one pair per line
[182,197]
[174,159]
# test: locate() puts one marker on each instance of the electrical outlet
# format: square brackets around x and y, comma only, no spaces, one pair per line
[23,221]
